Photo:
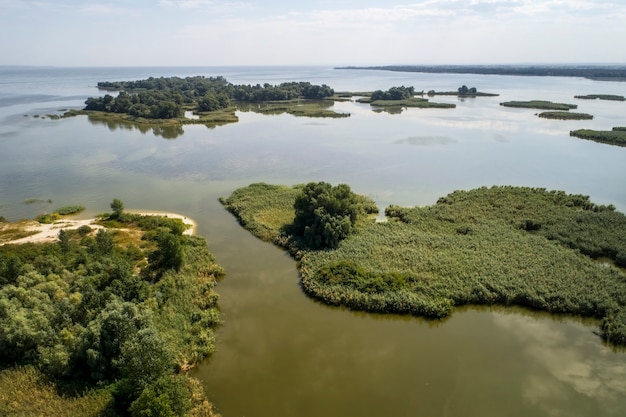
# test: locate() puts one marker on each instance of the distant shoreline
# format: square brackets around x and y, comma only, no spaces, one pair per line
[593,72]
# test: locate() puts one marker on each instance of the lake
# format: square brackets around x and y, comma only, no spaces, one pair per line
[280,353]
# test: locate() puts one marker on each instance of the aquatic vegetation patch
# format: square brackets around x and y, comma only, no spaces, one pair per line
[564,115]
[501,245]
[612,97]
[539,104]
[617,136]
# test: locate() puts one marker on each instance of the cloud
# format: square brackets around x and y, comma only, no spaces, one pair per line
[563,364]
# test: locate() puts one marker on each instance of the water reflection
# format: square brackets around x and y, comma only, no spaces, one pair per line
[565,370]
[166,132]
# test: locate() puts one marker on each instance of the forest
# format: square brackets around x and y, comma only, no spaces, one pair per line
[167,98]
[529,247]
[596,72]
[107,322]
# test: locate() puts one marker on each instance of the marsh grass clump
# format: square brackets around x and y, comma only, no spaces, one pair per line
[617,136]
[501,245]
[539,104]
[612,97]
[565,115]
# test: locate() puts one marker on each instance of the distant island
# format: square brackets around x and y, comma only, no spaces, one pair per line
[203,100]
[594,72]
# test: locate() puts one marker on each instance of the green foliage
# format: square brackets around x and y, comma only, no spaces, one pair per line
[118,208]
[394,93]
[545,250]
[565,115]
[263,209]
[612,97]
[617,136]
[169,253]
[81,310]
[539,104]
[67,210]
[421,103]
[465,91]
[164,98]
[325,215]
[48,218]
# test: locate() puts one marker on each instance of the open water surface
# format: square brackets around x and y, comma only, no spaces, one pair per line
[280,353]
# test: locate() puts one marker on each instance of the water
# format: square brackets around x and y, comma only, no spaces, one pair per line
[280,353]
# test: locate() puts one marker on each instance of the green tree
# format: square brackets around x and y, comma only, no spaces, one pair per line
[64,240]
[169,254]
[104,242]
[118,207]
[325,215]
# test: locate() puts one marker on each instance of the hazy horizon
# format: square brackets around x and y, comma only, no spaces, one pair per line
[72,33]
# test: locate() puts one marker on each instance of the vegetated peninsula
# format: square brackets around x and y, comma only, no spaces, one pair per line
[110,313]
[208,100]
[594,72]
[545,250]
[617,136]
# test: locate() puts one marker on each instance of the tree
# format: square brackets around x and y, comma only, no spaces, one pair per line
[324,215]
[64,240]
[118,207]
[169,254]
[104,242]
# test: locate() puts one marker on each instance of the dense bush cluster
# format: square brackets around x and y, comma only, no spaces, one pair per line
[165,98]
[394,93]
[326,214]
[103,309]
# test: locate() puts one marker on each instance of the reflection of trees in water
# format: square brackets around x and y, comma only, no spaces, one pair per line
[164,131]
[389,109]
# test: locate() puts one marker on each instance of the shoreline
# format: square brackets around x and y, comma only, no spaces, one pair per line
[49,232]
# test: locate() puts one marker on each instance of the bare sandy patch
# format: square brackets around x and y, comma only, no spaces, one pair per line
[46,233]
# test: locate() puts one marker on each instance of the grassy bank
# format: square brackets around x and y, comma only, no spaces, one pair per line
[544,250]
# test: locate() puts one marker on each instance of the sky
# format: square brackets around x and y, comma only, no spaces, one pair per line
[333,32]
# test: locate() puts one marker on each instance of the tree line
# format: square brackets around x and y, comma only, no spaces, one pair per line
[167,97]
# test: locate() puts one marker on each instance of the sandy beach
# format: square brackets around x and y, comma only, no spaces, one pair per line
[50,232]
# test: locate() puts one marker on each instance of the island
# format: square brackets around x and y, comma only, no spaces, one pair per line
[564,115]
[105,316]
[616,136]
[539,104]
[504,245]
[212,101]
[401,97]
[611,97]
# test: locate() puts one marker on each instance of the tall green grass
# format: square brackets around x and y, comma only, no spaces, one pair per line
[545,250]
